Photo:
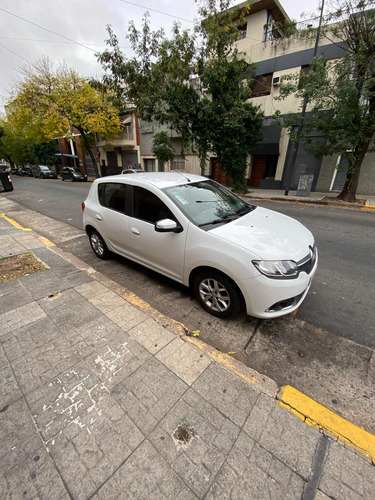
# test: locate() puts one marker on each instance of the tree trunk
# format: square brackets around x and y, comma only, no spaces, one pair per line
[89,150]
[349,190]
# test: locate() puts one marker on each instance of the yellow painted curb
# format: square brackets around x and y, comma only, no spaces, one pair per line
[368,207]
[46,241]
[14,223]
[316,415]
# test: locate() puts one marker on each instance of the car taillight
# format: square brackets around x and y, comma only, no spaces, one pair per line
[83,206]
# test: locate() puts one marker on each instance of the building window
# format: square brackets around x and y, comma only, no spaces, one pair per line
[242,32]
[262,85]
[178,163]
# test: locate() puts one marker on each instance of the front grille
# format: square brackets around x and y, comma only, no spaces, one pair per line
[307,263]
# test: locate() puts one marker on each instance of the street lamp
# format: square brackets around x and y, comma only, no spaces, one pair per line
[303,113]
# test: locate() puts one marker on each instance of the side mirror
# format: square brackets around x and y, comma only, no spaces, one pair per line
[168,226]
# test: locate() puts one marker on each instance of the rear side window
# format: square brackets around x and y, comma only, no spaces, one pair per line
[112,195]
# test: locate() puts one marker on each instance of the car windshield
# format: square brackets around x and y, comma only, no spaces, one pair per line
[208,203]
[43,167]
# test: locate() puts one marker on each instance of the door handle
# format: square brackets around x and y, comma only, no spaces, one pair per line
[135,231]
[97,216]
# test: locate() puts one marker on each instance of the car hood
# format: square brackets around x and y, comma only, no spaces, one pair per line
[268,234]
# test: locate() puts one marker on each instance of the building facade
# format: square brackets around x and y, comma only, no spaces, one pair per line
[122,152]
[262,42]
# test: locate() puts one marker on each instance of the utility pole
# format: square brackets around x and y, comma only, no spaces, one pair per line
[303,113]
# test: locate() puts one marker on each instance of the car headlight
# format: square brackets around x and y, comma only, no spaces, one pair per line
[277,268]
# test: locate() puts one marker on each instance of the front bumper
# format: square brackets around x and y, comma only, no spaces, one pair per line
[272,298]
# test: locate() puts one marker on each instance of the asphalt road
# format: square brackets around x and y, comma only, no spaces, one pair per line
[325,350]
[341,297]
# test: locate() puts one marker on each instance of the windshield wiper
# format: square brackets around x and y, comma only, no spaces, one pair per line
[224,220]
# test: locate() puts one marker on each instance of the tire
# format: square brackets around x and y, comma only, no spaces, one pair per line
[72,178]
[217,294]
[98,245]
[62,178]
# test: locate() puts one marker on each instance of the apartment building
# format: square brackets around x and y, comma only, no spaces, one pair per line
[262,42]
[121,152]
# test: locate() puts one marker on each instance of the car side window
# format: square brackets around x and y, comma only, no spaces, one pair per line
[112,195]
[148,207]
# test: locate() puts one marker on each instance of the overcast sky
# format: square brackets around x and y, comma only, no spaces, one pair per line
[31,29]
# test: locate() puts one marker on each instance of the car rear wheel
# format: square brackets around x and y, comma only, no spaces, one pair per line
[217,294]
[98,245]
[72,178]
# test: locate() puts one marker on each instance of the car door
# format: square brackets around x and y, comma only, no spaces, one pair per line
[111,219]
[163,252]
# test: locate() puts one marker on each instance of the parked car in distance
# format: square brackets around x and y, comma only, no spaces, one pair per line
[14,170]
[132,170]
[25,170]
[43,171]
[199,233]
[73,174]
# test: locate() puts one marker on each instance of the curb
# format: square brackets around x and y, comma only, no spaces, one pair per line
[301,405]
[308,201]
[318,416]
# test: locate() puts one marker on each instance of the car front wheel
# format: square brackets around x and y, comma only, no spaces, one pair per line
[98,245]
[217,294]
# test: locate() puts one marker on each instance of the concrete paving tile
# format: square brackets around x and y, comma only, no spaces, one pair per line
[346,475]
[13,296]
[127,316]
[20,317]
[117,360]
[107,301]
[17,435]
[283,434]
[35,477]
[91,290]
[228,393]
[149,393]
[145,475]
[247,473]
[74,473]
[198,461]
[184,360]
[151,335]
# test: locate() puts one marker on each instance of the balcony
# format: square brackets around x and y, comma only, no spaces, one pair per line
[127,138]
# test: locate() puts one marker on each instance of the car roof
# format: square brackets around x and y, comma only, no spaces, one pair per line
[160,180]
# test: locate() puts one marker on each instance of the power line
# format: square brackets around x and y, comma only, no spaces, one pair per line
[157,11]
[51,41]
[14,53]
[46,29]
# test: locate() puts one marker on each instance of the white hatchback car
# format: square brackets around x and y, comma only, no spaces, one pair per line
[199,233]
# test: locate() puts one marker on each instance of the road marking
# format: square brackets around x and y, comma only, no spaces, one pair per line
[316,415]
[46,241]
[14,223]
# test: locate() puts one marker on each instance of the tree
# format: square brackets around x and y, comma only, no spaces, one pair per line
[19,150]
[162,147]
[341,93]
[195,82]
[49,104]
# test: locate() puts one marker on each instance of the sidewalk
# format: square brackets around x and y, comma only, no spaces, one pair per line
[102,397]
[315,197]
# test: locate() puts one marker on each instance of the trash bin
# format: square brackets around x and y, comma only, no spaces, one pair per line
[6,181]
